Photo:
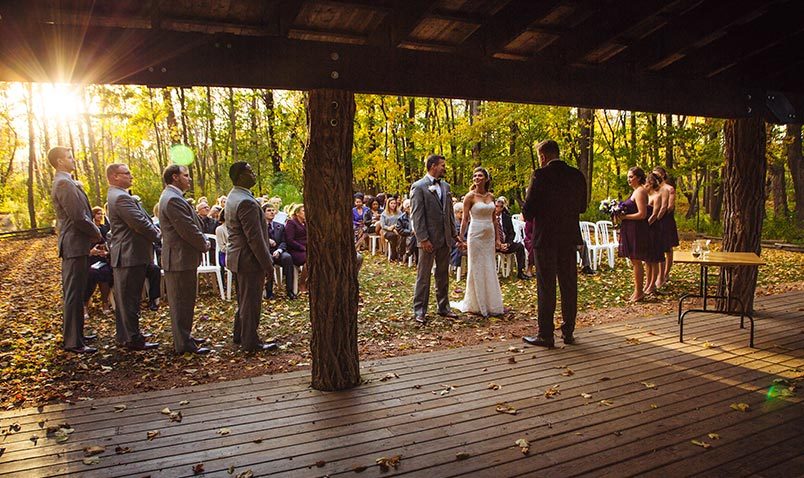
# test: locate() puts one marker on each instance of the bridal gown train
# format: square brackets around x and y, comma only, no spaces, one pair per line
[483,295]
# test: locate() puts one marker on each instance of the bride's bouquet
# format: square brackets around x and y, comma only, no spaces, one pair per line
[612,208]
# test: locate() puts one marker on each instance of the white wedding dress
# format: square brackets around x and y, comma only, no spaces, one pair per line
[483,295]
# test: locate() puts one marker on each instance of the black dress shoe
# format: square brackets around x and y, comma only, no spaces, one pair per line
[141,345]
[267,296]
[450,314]
[198,340]
[292,296]
[523,276]
[153,305]
[90,337]
[541,342]
[588,271]
[420,319]
[82,350]
[569,339]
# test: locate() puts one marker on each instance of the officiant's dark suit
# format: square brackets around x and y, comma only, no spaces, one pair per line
[131,250]
[434,227]
[555,199]
[77,234]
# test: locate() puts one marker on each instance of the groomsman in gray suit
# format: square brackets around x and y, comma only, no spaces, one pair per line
[434,227]
[77,234]
[248,255]
[183,243]
[131,248]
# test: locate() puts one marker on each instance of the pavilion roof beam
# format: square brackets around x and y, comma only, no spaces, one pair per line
[692,29]
[612,30]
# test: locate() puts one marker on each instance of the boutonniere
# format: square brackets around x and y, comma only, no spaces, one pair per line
[433,188]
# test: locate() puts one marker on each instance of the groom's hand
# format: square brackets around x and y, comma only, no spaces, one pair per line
[427,246]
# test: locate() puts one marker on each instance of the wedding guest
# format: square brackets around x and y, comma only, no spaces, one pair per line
[373,216]
[507,243]
[669,228]
[457,254]
[296,239]
[359,222]
[634,233]
[656,209]
[388,224]
[215,213]
[222,239]
[222,202]
[279,252]
[208,223]
[405,228]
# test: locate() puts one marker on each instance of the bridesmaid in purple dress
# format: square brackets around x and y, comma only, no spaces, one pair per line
[656,209]
[634,233]
[669,228]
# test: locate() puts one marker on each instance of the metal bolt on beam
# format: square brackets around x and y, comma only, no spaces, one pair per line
[334,75]
[334,56]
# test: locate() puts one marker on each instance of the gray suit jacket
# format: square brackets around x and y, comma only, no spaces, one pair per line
[133,232]
[248,249]
[433,219]
[183,242]
[77,232]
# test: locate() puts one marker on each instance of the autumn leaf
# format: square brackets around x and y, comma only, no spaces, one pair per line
[632,340]
[714,436]
[198,468]
[166,411]
[386,462]
[607,403]
[246,474]
[740,407]
[121,450]
[119,408]
[701,444]
[152,434]
[94,450]
[505,408]
[552,391]
[389,376]
[184,402]
[93,460]
[653,405]
[511,359]
[175,416]
[524,445]
[586,395]
[462,455]
[493,386]
[320,463]
[359,468]
[224,431]
[568,372]
[648,384]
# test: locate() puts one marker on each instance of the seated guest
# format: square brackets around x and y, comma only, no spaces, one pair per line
[222,202]
[456,254]
[388,224]
[208,223]
[100,272]
[222,238]
[215,213]
[279,252]
[405,228]
[359,222]
[372,218]
[296,240]
[508,245]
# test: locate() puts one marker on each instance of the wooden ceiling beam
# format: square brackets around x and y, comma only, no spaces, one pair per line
[158,58]
[692,29]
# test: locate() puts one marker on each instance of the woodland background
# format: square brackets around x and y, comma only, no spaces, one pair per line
[137,125]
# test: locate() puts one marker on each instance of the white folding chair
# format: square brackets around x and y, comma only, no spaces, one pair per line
[375,243]
[211,266]
[608,239]
[590,237]
[281,217]
[505,263]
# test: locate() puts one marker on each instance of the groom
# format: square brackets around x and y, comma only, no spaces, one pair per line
[555,199]
[434,227]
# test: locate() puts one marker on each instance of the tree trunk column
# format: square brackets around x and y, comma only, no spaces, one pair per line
[744,206]
[331,258]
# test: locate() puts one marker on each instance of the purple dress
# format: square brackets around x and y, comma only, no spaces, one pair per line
[296,239]
[669,231]
[657,248]
[634,235]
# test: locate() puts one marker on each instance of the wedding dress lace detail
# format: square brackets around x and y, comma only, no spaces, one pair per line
[483,295]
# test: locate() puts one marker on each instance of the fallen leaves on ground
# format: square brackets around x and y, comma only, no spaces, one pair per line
[224,431]
[94,450]
[552,391]
[493,386]
[740,407]
[586,395]
[505,408]
[462,455]
[701,444]
[607,403]
[387,462]
[119,408]
[389,376]
[524,445]
[198,468]
[152,434]
[713,436]
[121,450]
[568,372]
[35,371]
[648,384]
[93,460]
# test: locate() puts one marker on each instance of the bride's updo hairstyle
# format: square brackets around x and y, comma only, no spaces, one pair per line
[486,174]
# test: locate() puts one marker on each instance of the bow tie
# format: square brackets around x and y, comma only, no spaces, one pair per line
[437,182]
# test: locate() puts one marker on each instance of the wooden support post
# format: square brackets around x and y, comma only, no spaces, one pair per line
[743,198]
[331,257]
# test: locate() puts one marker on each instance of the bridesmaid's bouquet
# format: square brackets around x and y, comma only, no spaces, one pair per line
[612,208]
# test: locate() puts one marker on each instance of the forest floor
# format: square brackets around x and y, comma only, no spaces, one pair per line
[35,370]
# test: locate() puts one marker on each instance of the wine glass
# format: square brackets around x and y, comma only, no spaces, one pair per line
[705,248]
[696,248]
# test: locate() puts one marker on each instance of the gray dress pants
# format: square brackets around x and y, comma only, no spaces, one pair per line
[74,276]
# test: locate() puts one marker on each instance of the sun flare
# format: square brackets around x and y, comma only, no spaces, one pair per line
[61,100]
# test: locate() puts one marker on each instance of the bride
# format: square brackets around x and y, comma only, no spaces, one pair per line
[483,295]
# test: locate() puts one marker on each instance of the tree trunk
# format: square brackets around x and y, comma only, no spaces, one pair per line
[474,110]
[331,257]
[653,138]
[778,189]
[795,163]
[93,151]
[31,156]
[212,141]
[276,158]
[233,124]
[585,147]
[743,208]
[668,142]
[634,151]
[160,158]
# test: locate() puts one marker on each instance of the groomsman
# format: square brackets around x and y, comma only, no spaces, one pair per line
[77,234]
[248,257]
[133,235]
[555,200]
[183,243]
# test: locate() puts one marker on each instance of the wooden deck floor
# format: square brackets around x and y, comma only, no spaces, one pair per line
[650,397]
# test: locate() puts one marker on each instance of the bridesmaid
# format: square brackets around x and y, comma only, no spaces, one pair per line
[656,209]
[669,228]
[634,233]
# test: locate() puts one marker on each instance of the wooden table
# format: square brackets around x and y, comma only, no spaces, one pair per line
[724,260]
